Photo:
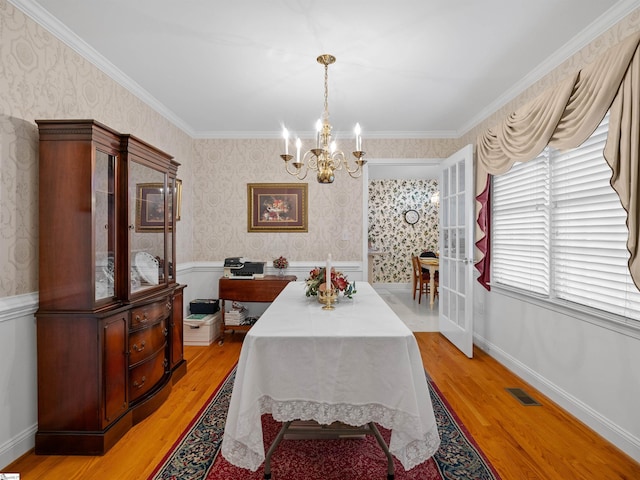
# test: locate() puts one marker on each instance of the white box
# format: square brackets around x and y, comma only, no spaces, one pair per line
[201,329]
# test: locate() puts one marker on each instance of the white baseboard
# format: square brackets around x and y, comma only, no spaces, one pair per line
[394,287]
[17,446]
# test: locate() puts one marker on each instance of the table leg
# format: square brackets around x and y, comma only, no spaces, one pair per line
[222,326]
[432,285]
[369,429]
[385,448]
[274,445]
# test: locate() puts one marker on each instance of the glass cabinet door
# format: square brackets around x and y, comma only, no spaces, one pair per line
[147,226]
[104,225]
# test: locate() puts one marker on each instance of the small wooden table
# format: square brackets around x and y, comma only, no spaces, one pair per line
[433,264]
[264,289]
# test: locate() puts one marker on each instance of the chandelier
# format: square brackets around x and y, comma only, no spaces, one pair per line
[325,158]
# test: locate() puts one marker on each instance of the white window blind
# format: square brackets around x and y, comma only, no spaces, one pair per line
[558,230]
[520,232]
[589,232]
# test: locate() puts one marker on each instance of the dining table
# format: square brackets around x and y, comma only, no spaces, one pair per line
[433,265]
[357,364]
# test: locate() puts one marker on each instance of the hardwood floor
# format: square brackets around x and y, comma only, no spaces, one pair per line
[541,442]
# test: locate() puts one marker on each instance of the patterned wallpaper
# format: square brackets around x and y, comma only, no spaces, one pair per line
[335,211]
[390,234]
[41,77]
[225,167]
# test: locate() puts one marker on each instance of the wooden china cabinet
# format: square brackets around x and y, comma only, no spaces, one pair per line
[109,321]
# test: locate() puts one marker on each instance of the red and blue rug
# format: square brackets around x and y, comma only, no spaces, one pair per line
[195,456]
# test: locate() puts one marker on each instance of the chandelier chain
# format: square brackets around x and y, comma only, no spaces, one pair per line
[326,92]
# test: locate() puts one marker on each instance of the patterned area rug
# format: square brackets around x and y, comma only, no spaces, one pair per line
[195,456]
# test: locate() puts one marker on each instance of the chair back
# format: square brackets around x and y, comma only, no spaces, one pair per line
[417,268]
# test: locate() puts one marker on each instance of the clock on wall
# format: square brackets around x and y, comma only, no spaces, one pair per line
[411,216]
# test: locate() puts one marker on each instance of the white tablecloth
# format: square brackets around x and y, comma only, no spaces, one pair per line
[356,364]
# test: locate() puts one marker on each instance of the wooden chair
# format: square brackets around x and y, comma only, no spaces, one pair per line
[420,279]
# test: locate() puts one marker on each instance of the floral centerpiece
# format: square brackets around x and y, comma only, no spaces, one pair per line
[339,281]
[280,263]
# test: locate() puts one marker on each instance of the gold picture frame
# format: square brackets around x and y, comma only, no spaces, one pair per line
[178,199]
[277,207]
[150,206]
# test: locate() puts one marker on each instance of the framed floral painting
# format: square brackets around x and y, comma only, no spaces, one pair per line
[277,207]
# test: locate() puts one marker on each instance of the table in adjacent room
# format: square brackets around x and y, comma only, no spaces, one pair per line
[433,264]
[356,364]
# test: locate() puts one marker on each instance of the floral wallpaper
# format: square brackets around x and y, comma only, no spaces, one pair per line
[390,234]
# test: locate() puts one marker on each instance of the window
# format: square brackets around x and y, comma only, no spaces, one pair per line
[559,231]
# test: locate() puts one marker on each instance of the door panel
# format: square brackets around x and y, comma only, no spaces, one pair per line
[456,247]
[115,367]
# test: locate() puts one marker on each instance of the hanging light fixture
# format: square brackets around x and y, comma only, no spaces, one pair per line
[325,158]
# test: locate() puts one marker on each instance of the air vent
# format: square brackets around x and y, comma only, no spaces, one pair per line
[523,397]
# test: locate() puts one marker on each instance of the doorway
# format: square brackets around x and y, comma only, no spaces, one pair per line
[400,185]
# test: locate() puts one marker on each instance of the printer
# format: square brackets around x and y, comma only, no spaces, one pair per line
[238,267]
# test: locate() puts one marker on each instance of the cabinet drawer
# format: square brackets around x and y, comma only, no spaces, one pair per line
[146,375]
[144,343]
[150,313]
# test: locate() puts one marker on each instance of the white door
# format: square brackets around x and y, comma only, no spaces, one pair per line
[456,249]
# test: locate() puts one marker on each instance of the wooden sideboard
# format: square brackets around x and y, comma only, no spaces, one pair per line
[256,290]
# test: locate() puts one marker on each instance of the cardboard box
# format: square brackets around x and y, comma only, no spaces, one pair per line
[201,329]
[204,305]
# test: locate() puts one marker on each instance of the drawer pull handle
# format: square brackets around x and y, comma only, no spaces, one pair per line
[139,385]
[144,318]
[140,348]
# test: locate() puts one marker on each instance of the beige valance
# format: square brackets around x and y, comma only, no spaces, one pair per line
[565,116]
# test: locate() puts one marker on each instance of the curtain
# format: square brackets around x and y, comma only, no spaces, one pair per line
[564,117]
[484,218]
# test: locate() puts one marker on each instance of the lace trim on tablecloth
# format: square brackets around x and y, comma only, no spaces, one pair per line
[241,455]
[408,444]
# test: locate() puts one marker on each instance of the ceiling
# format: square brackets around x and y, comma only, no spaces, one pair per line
[404,69]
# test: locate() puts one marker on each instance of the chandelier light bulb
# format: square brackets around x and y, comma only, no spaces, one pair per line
[318,130]
[285,134]
[298,146]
